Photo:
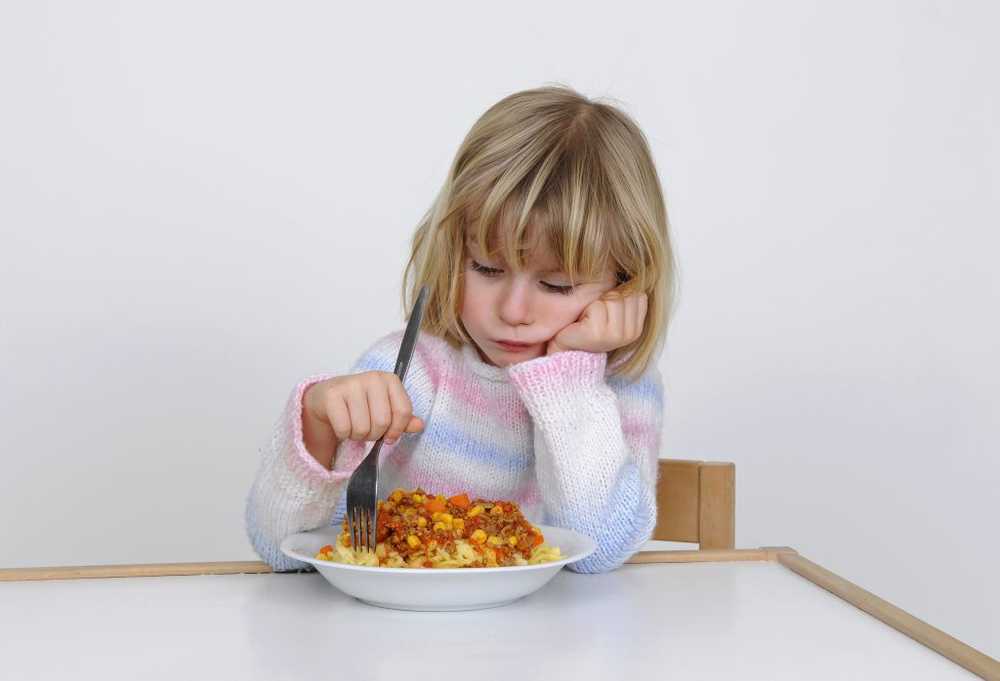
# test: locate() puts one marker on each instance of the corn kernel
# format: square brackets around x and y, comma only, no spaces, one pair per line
[496,510]
[494,541]
[413,540]
[447,518]
[418,498]
[458,524]
[512,541]
[421,522]
[478,536]
[436,515]
[440,527]
[397,495]
[475,510]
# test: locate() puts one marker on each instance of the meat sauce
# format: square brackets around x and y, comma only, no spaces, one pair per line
[417,523]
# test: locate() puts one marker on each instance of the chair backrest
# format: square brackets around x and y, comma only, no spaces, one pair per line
[696,502]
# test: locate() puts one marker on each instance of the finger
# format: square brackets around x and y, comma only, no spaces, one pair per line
[379,407]
[402,409]
[415,425]
[567,338]
[631,314]
[357,405]
[339,416]
[595,315]
[616,319]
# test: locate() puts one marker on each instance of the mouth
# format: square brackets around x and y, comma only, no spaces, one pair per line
[514,346]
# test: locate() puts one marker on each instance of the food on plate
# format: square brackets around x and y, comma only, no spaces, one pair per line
[420,530]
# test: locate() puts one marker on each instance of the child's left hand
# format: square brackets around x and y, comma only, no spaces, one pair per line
[610,322]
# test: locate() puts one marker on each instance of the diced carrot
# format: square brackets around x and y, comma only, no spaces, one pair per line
[436,505]
[326,549]
[538,539]
[460,500]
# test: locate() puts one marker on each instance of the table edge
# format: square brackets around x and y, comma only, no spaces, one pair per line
[259,567]
[937,640]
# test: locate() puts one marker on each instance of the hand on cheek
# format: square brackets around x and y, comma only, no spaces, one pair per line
[610,322]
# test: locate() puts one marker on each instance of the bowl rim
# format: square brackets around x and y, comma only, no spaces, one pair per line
[587,548]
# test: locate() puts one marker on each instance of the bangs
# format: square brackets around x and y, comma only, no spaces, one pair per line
[548,212]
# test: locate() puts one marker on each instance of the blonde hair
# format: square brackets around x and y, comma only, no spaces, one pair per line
[577,173]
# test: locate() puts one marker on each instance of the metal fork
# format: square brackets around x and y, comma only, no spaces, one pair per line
[362,488]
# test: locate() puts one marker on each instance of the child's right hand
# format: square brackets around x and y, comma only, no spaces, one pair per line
[363,406]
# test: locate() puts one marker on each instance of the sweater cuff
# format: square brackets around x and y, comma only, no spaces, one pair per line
[555,376]
[305,467]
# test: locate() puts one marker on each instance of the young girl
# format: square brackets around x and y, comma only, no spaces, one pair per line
[550,279]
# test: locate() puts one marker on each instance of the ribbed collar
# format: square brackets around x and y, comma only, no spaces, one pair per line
[475,364]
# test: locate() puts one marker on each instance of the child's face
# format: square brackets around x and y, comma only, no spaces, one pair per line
[512,315]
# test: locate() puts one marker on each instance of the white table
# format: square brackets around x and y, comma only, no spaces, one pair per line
[727,620]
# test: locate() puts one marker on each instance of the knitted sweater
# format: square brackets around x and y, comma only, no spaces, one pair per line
[573,447]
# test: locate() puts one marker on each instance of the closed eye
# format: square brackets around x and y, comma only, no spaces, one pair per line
[486,271]
[491,272]
[556,288]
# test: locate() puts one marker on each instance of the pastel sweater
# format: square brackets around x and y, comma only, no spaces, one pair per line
[573,447]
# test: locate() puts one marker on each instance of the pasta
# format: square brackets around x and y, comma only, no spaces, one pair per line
[420,530]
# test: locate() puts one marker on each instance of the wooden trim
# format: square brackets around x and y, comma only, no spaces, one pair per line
[258,567]
[717,506]
[773,551]
[702,556]
[961,654]
[146,570]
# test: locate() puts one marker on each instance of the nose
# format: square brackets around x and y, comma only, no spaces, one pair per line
[515,304]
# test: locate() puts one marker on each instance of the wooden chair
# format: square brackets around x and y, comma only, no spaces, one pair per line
[696,502]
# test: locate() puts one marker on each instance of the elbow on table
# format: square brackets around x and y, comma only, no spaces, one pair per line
[633,524]
[611,555]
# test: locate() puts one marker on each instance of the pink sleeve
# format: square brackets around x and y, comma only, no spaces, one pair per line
[296,457]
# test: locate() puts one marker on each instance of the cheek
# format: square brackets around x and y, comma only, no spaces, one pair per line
[563,311]
[474,300]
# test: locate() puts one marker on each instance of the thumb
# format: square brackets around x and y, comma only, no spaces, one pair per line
[570,336]
[415,425]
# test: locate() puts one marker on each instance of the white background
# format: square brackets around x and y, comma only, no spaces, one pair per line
[203,202]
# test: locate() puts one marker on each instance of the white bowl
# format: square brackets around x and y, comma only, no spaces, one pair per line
[437,588]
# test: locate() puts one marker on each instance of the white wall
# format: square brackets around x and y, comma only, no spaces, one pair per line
[202,202]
